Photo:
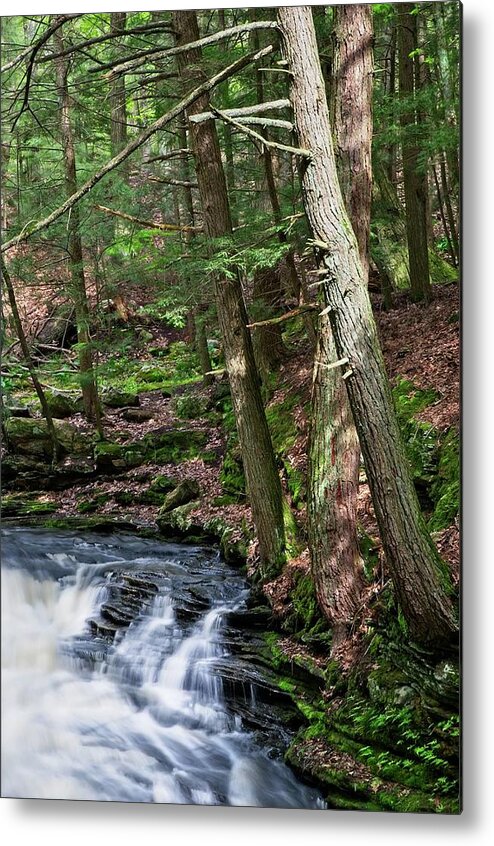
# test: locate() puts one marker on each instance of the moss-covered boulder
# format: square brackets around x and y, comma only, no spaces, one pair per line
[115,398]
[113,457]
[61,404]
[26,506]
[191,406]
[26,436]
[180,525]
[185,492]
[137,415]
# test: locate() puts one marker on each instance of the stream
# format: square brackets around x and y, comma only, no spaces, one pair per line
[127,677]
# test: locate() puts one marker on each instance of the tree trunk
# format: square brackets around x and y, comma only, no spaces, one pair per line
[203,350]
[333,480]
[118,110]
[350,106]
[29,362]
[414,175]
[261,473]
[78,284]
[418,574]
[334,452]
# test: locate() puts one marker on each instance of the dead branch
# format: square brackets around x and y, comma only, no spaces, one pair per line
[252,134]
[142,57]
[130,148]
[287,316]
[147,224]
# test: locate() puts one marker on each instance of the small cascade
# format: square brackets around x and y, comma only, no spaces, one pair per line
[138,717]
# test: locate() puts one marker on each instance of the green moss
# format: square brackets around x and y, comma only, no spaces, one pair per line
[191,406]
[18,506]
[445,490]
[88,506]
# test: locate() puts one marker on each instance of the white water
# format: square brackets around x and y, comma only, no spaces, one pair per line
[147,720]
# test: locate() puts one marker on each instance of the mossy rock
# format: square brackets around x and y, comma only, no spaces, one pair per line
[62,404]
[179,525]
[26,436]
[185,492]
[172,445]
[191,406]
[446,488]
[19,506]
[232,475]
[114,398]
[89,506]
[111,457]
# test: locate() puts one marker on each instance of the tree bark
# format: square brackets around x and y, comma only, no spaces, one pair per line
[261,473]
[414,176]
[419,576]
[350,107]
[334,450]
[78,284]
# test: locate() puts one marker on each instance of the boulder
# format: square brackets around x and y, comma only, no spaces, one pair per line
[136,415]
[17,411]
[28,436]
[114,398]
[61,404]
[183,493]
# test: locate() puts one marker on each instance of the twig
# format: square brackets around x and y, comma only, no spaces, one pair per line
[147,224]
[287,316]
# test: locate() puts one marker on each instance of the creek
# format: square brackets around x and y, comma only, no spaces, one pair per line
[127,676]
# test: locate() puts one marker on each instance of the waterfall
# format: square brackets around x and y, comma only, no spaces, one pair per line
[143,716]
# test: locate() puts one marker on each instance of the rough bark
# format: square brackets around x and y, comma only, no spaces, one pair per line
[350,104]
[74,244]
[414,176]
[261,473]
[334,461]
[118,111]
[334,450]
[419,575]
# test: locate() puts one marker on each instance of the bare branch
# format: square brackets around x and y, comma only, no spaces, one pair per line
[287,316]
[39,43]
[184,104]
[147,224]
[258,109]
[250,132]
[142,57]
[146,28]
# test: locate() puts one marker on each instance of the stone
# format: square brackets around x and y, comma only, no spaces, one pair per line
[136,415]
[114,398]
[183,493]
[61,404]
[30,436]
[18,411]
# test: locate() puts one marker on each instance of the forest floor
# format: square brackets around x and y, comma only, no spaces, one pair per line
[420,344]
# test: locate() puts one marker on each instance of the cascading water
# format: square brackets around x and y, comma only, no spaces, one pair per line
[138,717]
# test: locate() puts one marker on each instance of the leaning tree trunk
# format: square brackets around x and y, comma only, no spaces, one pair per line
[414,176]
[419,576]
[263,481]
[78,284]
[45,408]
[334,450]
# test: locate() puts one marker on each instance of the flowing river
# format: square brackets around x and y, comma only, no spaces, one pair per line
[124,679]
